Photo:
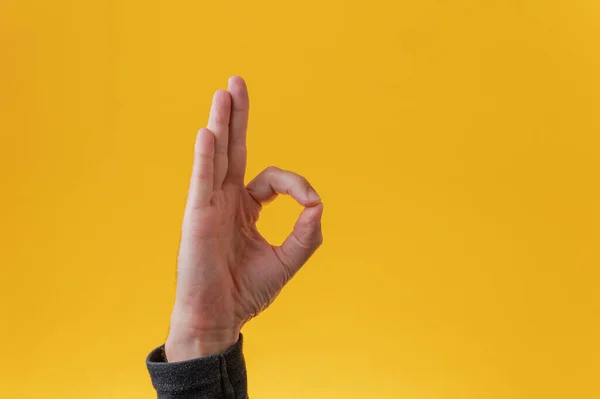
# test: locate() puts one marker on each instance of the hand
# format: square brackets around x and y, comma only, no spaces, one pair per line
[227,272]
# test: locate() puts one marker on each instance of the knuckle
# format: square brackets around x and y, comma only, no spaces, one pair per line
[204,154]
[303,181]
[302,243]
[319,240]
[221,151]
[202,174]
[221,118]
[272,170]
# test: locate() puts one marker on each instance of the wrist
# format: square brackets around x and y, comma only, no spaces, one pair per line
[186,342]
[179,348]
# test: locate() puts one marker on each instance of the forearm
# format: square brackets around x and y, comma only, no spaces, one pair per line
[218,376]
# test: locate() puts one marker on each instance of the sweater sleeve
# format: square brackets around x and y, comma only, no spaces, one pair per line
[220,376]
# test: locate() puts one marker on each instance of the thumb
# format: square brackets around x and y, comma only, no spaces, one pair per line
[303,241]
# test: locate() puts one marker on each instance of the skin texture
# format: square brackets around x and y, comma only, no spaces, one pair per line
[227,272]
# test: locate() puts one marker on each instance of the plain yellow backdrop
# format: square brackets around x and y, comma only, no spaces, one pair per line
[454,143]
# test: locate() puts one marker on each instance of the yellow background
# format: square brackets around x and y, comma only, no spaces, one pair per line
[455,145]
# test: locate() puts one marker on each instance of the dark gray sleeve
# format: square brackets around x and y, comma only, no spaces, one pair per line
[221,376]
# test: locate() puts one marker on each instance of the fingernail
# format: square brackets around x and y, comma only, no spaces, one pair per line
[313,196]
[230,81]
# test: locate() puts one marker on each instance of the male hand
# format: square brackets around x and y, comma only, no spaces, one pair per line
[227,272]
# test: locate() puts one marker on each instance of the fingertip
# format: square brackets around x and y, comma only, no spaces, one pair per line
[222,96]
[311,228]
[314,213]
[237,87]
[235,79]
[205,138]
[204,131]
[312,196]
[319,210]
